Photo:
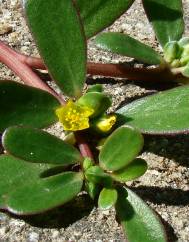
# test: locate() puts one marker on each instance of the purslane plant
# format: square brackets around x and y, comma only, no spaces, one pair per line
[172,67]
[53,170]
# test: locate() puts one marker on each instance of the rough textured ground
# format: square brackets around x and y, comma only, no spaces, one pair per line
[165,187]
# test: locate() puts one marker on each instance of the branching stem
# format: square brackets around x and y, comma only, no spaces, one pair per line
[22,70]
[157,74]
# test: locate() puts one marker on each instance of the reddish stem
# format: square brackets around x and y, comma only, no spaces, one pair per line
[26,74]
[83,146]
[158,74]
[33,62]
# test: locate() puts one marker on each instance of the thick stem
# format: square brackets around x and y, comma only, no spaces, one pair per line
[26,74]
[158,74]
[83,146]
[33,62]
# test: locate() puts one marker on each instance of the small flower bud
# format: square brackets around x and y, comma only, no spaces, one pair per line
[97,101]
[105,123]
[172,51]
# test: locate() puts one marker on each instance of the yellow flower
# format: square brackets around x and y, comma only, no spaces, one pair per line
[106,123]
[74,116]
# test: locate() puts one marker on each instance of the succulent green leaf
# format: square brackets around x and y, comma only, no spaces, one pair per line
[125,45]
[139,222]
[57,30]
[87,163]
[95,88]
[92,189]
[107,198]
[172,51]
[134,170]
[97,101]
[45,193]
[14,173]
[39,146]
[96,174]
[99,14]
[162,113]
[166,17]
[24,105]
[120,148]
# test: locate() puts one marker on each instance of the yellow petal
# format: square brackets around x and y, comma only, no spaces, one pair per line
[73,116]
[106,123]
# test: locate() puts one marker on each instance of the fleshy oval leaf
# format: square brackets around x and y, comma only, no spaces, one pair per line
[58,33]
[162,113]
[24,105]
[95,88]
[134,170]
[92,189]
[120,148]
[138,221]
[39,146]
[99,14]
[44,194]
[125,45]
[14,173]
[166,17]
[99,102]
[107,198]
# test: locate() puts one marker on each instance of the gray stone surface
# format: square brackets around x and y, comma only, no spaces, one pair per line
[165,186]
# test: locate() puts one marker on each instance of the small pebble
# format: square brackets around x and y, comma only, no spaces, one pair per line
[5,28]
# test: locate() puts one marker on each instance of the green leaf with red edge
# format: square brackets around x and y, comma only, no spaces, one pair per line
[99,14]
[58,33]
[134,170]
[125,45]
[138,221]
[166,112]
[24,105]
[14,173]
[120,148]
[38,146]
[45,193]
[107,198]
[166,17]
